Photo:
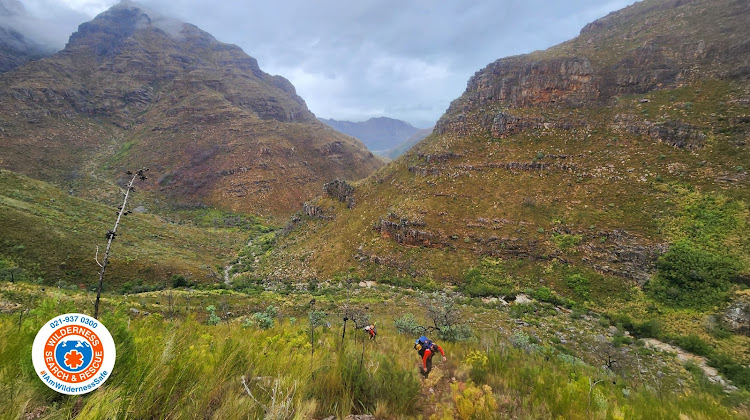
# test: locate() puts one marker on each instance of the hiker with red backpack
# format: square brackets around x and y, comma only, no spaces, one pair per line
[426,349]
[372,331]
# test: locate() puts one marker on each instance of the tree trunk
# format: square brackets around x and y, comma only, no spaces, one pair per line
[109,245]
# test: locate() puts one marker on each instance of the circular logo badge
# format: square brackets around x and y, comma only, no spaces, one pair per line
[73,354]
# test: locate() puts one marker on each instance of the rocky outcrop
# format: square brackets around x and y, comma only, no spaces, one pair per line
[341,191]
[519,82]
[620,253]
[505,124]
[737,315]
[407,232]
[498,247]
[316,212]
[673,132]
[661,47]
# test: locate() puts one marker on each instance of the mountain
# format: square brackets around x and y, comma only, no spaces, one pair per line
[404,147]
[378,134]
[132,88]
[16,48]
[593,158]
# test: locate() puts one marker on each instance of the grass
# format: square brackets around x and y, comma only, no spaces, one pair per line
[249,371]
[51,237]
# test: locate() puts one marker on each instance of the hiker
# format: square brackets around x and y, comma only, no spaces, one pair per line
[426,348]
[372,331]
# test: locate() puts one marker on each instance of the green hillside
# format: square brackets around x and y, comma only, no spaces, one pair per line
[51,237]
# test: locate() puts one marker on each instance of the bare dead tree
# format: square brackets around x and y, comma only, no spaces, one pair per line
[141,173]
[442,310]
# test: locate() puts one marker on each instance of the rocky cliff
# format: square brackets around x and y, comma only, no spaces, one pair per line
[664,45]
[590,157]
[133,88]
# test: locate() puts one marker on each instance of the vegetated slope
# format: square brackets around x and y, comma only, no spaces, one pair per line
[15,47]
[590,158]
[379,134]
[404,147]
[51,237]
[135,89]
[253,354]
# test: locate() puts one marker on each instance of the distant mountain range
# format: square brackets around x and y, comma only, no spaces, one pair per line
[134,89]
[383,136]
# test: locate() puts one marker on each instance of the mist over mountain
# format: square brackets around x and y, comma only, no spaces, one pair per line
[133,88]
[17,43]
[378,134]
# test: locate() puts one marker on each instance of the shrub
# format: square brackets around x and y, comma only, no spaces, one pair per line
[476,284]
[738,374]
[178,280]
[408,325]
[213,319]
[649,328]
[689,276]
[454,333]
[565,241]
[518,310]
[264,320]
[545,294]
[693,344]
[579,284]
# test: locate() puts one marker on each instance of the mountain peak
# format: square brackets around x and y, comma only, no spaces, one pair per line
[199,111]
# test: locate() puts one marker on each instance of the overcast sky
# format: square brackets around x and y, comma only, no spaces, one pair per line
[353,60]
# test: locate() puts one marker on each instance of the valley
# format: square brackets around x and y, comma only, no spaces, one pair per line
[574,232]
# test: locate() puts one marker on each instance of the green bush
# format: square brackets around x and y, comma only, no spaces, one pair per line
[408,325]
[694,344]
[483,281]
[545,294]
[565,241]
[579,284]
[691,277]
[518,310]
[213,319]
[738,374]
[264,320]
[649,328]
[178,280]
[454,333]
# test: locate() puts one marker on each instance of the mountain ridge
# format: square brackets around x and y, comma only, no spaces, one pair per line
[130,90]
[561,158]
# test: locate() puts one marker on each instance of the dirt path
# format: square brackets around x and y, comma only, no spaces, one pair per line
[227,278]
[685,357]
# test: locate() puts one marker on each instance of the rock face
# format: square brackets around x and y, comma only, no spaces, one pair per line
[134,89]
[581,73]
[583,158]
[406,232]
[737,316]
[674,133]
[342,191]
[518,82]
